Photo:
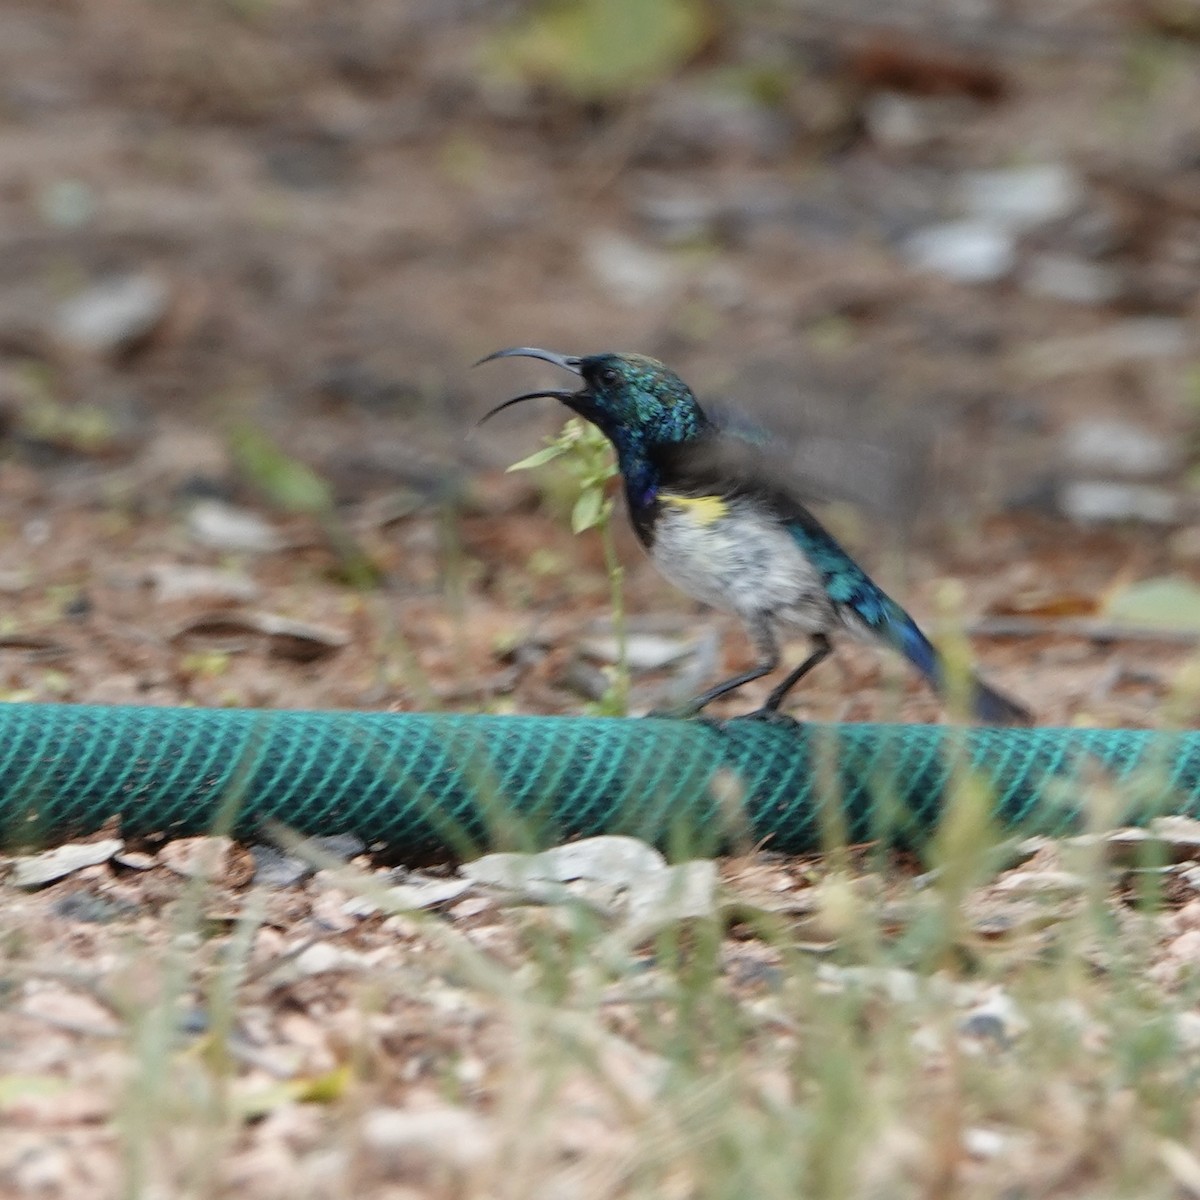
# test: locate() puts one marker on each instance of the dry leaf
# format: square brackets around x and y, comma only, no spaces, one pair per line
[234,630]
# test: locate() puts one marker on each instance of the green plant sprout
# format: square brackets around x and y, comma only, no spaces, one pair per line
[294,487]
[587,456]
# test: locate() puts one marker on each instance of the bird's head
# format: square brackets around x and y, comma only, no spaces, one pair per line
[637,402]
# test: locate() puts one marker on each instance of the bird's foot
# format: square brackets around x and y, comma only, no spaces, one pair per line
[769,716]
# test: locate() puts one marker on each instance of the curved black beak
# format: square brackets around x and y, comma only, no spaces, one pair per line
[554,394]
[568,362]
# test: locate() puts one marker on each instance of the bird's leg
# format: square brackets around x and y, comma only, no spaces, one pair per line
[821,650]
[768,648]
[770,710]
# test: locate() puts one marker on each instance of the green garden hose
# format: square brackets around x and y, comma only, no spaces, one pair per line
[421,786]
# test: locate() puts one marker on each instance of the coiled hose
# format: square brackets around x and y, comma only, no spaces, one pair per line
[419,786]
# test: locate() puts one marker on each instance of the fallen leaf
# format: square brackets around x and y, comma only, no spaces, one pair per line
[1167,602]
[297,641]
[1047,604]
[36,647]
[324,1088]
[597,48]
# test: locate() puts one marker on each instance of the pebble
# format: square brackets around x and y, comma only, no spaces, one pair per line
[92,909]
[688,124]
[411,896]
[898,984]
[1187,1029]
[643,651]
[896,121]
[1073,280]
[1021,198]
[610,859]
[66,204]
[1186,947]
[1109,446]
[417,1143]
[225,527]
[967,251]
[342,846]
[310,161]
[274,869]
[1185,545]
[633,273]
[38,869]
[324,958]
[1137,339]
[135,860]
[112,315]
[186,581]
[676,218]
[996,1019]
[1106,500]
[684,892]
[197,857]
[983,1144]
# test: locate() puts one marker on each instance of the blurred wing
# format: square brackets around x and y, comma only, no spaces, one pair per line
[726,465]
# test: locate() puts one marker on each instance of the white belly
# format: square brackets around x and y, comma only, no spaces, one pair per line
[741,564]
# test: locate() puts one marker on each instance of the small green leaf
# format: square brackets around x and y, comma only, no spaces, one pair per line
[311,1089]
[602,48]
[587,510]
[286,482]
[539,458]
[1168,602]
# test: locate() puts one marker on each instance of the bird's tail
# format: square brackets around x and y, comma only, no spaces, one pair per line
[987,705]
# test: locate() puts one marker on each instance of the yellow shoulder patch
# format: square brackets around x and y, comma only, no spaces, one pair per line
[704,509]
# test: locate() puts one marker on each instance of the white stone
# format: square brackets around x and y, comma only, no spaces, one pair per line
[1113,447]
[966,251]
[1021,198]
[112,314]
[1103,500]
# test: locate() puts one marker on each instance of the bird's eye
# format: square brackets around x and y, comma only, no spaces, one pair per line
[608,376]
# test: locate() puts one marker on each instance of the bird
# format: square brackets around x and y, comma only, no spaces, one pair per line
[728,528]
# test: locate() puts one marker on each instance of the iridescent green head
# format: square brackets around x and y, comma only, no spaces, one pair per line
[637,402]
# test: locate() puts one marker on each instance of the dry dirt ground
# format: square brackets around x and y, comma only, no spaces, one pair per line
[335,210]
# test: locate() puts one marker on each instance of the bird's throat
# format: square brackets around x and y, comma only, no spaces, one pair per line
[642,482]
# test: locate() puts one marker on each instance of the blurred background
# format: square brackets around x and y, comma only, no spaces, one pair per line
[249,248]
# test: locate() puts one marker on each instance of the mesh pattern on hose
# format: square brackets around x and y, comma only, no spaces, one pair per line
[430,785]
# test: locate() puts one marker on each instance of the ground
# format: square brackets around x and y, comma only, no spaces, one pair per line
[249,251]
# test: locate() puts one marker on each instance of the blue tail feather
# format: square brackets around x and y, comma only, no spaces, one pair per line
[854,593]
[987,704]
[914,645]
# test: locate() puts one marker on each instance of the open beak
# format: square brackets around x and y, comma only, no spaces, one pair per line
[566,361]
[555,394]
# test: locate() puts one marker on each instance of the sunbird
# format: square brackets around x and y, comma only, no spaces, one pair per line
[728,529]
